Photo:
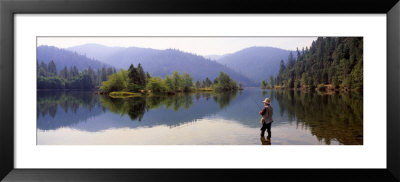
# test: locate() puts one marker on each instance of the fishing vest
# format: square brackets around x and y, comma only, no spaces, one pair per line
[267,117]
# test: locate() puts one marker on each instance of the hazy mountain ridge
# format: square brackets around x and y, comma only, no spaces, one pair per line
[256,63]
[162,62]
[95,51]
[248,66]
[63,57]
[213,57]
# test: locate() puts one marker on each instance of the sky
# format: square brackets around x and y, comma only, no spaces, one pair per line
[197,45]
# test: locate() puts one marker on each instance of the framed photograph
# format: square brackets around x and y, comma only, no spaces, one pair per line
[121,91]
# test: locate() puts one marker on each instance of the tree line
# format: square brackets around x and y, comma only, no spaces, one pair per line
[49,78]
[333,61]
[135,80]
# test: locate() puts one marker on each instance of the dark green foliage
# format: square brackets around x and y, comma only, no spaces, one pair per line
[331,60]
[52,69]
[42,70]
[138,77]
[224,83]
[264,84]
[198,84]
[135,79]
[64,73]
[271,80]
[206,83]
[50,83]
[48,78]
[82,81]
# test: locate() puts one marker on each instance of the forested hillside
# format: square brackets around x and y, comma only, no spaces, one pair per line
[337,62]
[70,78]
[64,58]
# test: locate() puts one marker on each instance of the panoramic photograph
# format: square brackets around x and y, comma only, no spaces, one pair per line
[199,91]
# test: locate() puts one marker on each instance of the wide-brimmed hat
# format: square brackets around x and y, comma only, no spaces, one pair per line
[267,100]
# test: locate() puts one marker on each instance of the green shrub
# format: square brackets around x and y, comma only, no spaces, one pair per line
[116,82]
[156,85]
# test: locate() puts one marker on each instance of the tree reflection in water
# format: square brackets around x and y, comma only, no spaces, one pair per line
[136,107]
[53,108]
[330,118]
[337,116]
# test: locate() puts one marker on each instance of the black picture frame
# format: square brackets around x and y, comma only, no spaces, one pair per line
[9,8]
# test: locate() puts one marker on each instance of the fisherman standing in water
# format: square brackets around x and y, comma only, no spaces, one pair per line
[266,119]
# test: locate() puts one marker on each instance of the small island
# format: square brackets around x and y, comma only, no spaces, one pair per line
[136,82]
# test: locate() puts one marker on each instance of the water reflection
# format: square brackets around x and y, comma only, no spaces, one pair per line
[57,109]
[327,119]
[223,99]
[148,111]
[265,141]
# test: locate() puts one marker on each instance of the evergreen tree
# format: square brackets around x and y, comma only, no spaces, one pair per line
[198,84]
[64,73]
[207,82]
[42,69]
[52,69]
[336,61]
[271,81]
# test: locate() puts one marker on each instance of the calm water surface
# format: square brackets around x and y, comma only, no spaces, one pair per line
[81,117]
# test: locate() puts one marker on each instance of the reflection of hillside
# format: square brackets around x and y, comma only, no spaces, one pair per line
[167,110]
[68,109]
[57,109]
[152,111]
[328,117]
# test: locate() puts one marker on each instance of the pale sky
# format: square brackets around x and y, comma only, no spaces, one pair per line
[197,45]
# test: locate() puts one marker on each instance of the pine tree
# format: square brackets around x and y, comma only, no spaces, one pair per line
[64,73]
[43,69]
[198,84]
[52,69]
[271,81]
[336,61]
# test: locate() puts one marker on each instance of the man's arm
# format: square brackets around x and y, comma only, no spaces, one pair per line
[262,112]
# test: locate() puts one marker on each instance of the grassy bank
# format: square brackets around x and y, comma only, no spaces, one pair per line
[203,90]
[122,94]
[126,94]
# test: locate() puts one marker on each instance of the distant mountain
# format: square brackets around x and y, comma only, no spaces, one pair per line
[160,62]
[257,63]
[62,57]
[213,57]
[95,51]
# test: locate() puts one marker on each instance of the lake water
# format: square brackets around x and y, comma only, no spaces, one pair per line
[84,118]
